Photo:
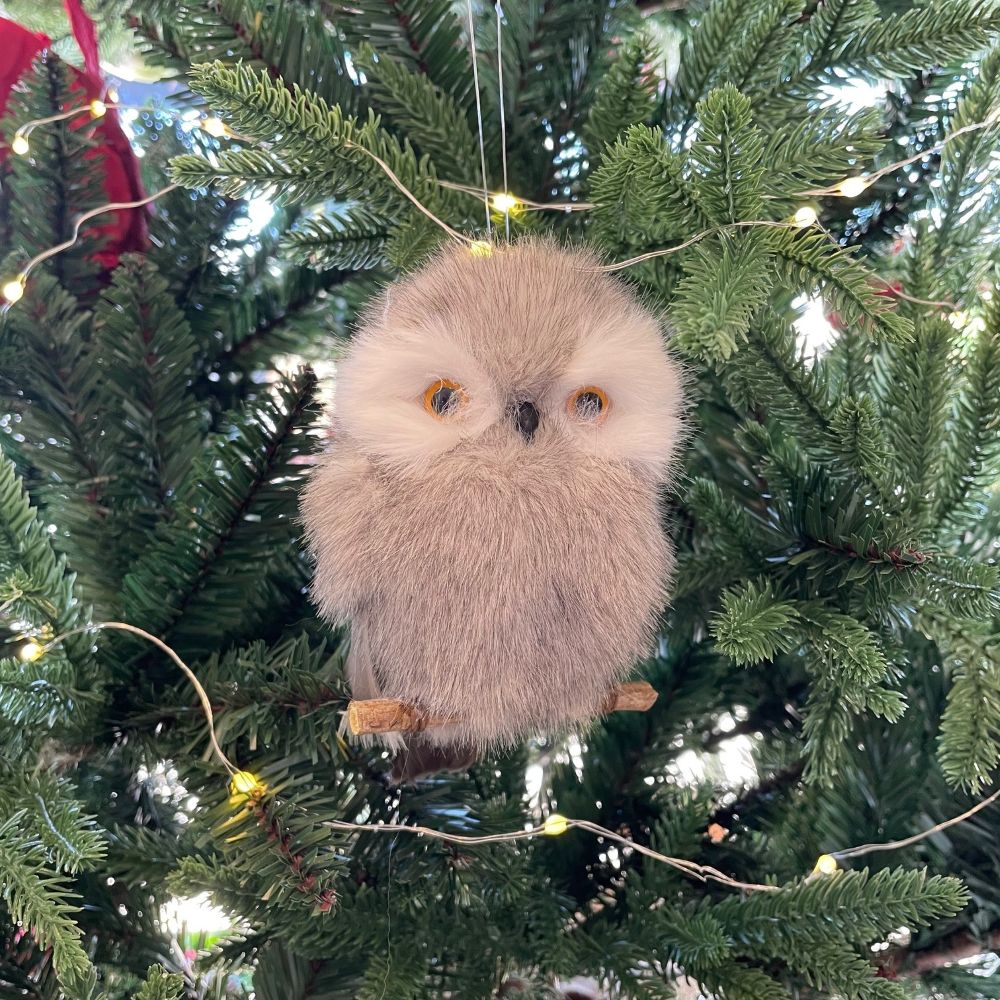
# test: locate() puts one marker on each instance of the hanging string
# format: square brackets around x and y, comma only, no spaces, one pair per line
[479,117]
[503,119]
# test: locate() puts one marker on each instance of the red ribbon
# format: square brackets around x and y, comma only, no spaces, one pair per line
[123,231]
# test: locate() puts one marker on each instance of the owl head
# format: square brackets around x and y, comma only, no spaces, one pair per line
[528,347]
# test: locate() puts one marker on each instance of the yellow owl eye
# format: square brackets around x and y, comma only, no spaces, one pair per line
[444,398]
[588,404]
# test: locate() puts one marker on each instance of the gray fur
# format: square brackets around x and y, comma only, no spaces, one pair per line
[507,584]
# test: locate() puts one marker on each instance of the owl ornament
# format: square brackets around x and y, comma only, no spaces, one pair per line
[487,517]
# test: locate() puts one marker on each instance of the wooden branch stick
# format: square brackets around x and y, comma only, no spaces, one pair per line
[387,715]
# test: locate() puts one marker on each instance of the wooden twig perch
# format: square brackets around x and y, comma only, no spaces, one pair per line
[386,715]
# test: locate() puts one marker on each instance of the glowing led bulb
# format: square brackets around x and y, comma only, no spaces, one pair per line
[805,217]
[826,864]
[555,825]
[480,248]
[245,783]
[851,187]
[98,109]
[505,202]
[19,145]
[30,652]
[215,127]
[13,290]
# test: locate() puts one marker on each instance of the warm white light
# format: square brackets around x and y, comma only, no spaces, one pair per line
[851,187]
[555,825]
[245,783]
[13,290]
[826,864]
[505,202]
[805,217]
[19,145]
[98,109]
[215,127]
[30,652]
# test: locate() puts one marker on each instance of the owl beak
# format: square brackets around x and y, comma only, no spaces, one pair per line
[525,419]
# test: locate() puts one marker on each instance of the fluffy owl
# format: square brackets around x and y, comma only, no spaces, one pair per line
[487,517]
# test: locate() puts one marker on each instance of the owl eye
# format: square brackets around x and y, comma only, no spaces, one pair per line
[588,404]
[444,398]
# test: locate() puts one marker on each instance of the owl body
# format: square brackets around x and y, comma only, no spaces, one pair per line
[488,517]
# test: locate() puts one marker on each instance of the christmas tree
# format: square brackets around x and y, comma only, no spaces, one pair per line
[812,186]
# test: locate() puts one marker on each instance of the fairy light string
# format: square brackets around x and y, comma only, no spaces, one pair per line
[13,289]
[501,198]
[410,196]
[244,786]
[804,218]
[893,845]
[97,109]
[852,187]
[206,704]
[697,238]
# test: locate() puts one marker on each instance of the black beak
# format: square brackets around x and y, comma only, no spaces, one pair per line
[525,418]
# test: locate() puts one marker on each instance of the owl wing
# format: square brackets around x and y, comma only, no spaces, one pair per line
[362,678]
[339,506]
[361,662]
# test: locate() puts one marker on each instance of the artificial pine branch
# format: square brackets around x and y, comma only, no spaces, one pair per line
[45,193]
[625,96]
[799,536]
[243,507]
